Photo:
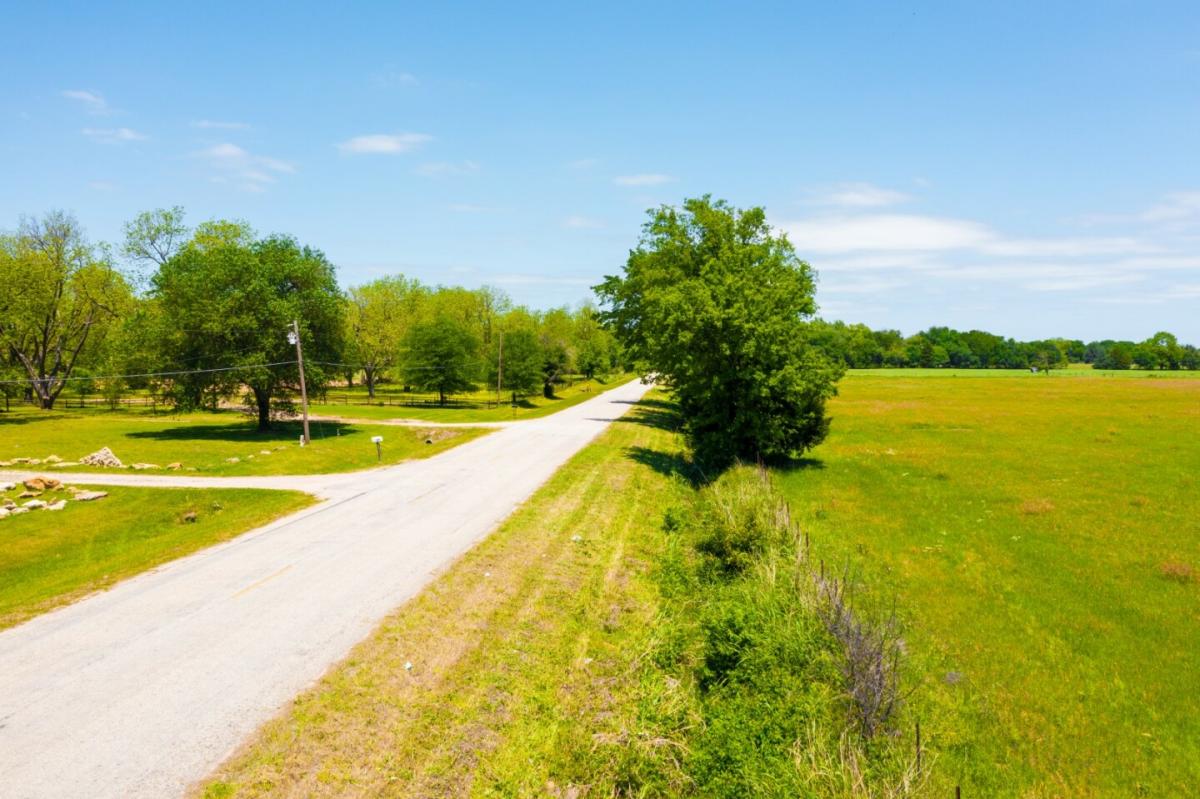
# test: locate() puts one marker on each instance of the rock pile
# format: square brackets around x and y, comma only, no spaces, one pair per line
[35,487]
[103,457]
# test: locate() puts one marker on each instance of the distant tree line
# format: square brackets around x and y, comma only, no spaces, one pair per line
[197,316]
[859,347]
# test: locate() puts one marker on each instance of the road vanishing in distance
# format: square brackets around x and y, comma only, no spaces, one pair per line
[143,690]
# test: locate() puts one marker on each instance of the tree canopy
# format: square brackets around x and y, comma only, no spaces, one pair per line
[227,300]
[59,298]
[713,302]
[442,356]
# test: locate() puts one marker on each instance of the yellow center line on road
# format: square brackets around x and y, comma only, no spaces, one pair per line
[256,584]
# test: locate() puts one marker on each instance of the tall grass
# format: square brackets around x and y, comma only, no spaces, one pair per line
[773,684]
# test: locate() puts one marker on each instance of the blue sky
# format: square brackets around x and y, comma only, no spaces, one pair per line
[1026,168]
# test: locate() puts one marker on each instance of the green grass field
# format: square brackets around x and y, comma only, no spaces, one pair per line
[50,558]
[475,407]
[1074,370]
[1038,535]
[205,442]
[1040,539]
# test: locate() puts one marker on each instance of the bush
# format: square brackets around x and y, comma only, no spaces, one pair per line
[739,518]
[787,686]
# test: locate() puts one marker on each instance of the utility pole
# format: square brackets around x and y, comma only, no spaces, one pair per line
[500,369]
[295,336]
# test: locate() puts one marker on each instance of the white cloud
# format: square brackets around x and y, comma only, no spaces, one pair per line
[113,135]
[868,286]
[1082,282]
[436,169]
[209,124]
[385,143]
[582,223]
[92,100]
[652,179]
[1069,248]
[391,78]
[896,232]
[235,164]
[859,195]
[583,163]
[1175,207]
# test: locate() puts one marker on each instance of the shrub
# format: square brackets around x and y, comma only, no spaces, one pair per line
[786,683]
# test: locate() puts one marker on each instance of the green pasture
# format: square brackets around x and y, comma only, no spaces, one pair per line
[206,443]
[1039,540]
[49,558]
[1074,370]
[1042,540]
[480,406]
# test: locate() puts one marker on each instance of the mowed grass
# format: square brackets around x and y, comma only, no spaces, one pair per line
[516,673]
[205,443]
[50,558]
[355,404]
[1041,537]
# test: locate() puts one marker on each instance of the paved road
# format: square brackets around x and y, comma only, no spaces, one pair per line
[144,689]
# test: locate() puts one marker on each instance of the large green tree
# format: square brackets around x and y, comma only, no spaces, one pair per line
[714,303]
[59,297]
[441,355]
[379,316]
[227,299]
[520,358]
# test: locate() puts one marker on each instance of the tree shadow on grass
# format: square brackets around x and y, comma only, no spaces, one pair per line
[247,431]
[669,464]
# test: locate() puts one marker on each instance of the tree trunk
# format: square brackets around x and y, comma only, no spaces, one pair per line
[548,390]
[263,400]
[369,376]
[442,398]
[350,379]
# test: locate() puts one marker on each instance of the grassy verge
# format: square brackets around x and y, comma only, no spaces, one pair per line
[50,558]
[547,662]
[208,443]
[1040,535]
[354,404]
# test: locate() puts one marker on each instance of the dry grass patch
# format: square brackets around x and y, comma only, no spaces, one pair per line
[1177,572]
[1036,507]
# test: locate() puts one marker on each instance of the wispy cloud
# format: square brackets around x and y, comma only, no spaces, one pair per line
[649,179]
[210,124]
[858,195]
[583,163]
[915,233]
[384,143]
[248,171]
[438,169]
[391,78]
[93,101]
[576,222]
[870,255]
[893,232]
[114,135]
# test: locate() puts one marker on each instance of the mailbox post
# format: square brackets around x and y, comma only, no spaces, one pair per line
[378,442]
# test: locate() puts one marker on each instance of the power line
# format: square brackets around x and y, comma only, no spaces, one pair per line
[146,374]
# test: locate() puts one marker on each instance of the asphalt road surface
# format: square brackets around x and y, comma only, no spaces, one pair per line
[142,690]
